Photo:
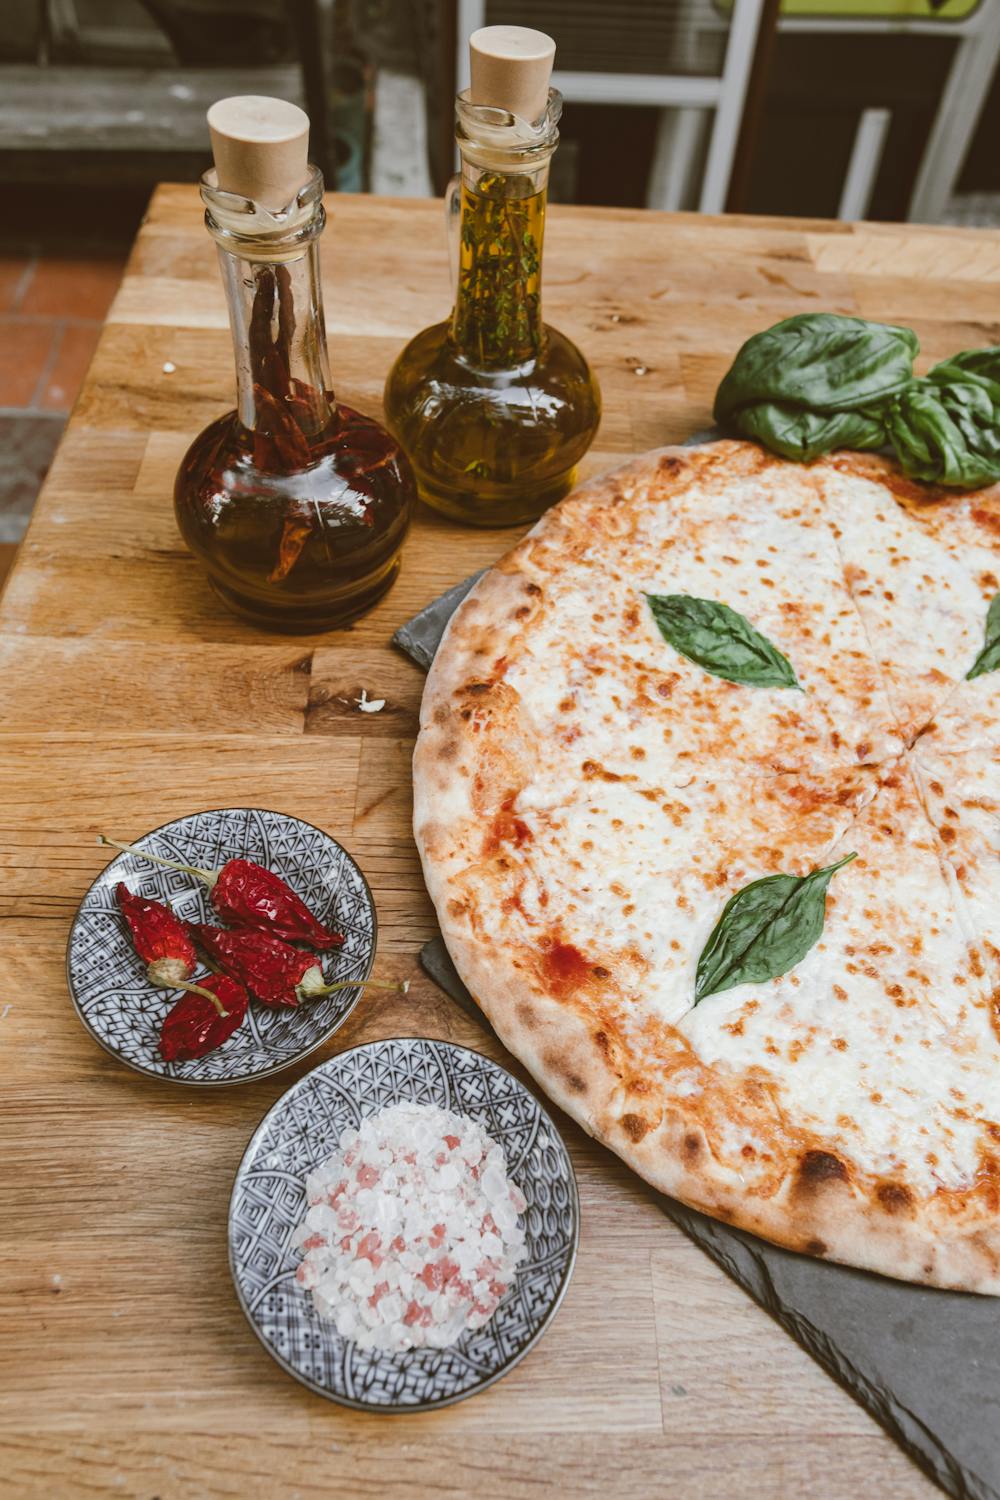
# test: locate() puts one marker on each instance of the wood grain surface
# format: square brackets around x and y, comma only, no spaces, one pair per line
[127,697]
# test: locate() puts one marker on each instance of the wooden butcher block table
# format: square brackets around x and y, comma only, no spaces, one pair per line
[129,697]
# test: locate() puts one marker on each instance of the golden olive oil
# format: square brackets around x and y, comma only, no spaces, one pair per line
[494,408]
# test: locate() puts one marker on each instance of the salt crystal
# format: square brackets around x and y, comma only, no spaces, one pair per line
[390,1308]
[505,1216]
[347,1321]
[495,1183]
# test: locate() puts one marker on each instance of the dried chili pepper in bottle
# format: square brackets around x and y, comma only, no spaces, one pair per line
[202,1019]
[159,937]
[247,895]
[273,971]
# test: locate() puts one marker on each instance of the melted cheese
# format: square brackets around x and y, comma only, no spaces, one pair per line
[922,580]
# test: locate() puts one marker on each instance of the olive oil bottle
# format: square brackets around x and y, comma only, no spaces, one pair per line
[494,407]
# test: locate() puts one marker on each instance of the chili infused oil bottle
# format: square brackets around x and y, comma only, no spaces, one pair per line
[296,505]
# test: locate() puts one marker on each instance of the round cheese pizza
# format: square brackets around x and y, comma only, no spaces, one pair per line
[707,794]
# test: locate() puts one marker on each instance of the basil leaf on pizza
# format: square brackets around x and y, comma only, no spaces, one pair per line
[988,659]
[721,641]
[765,929]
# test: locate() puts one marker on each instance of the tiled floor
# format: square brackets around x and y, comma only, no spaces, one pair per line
[51,311]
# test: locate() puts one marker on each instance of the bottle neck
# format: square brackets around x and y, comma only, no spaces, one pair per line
[497,321]
[279,342]
[270,269]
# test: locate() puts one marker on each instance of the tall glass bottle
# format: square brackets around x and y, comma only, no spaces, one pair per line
[494,406]
[295,504]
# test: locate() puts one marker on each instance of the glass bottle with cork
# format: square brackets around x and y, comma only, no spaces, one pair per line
[295,504]
[494,407]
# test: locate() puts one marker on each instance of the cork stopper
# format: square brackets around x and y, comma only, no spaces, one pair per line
[261,148]
[511,67]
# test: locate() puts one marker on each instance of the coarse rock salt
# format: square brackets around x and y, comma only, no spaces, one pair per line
[413,1231]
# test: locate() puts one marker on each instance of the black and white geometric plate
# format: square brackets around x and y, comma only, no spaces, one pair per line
[107,980]
[269,1201]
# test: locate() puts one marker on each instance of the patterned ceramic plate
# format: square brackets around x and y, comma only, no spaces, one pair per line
[108,983]
[269,1200]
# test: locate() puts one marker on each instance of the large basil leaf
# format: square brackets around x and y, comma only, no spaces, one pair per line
[947,431]
[765,930]
[720,640]
[988,659]
[799,434]
[979,366]
[819,362]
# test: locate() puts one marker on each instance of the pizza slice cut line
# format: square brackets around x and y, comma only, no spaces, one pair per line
[926,588]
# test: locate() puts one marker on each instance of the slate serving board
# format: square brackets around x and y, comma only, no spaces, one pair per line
[925,1363]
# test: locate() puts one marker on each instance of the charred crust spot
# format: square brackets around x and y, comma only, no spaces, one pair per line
[603,1042]
[691,1146]
[449,750]
[532,588]
[670,466]
[815,1247]
[818,1167]
[947,835]
[457,908]
[477,688]
[440,714]
[527,1015]
[600,972]
[634,1126]
[894,1197]
[564,1070]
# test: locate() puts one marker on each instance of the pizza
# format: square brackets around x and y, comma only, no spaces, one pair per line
[707,796]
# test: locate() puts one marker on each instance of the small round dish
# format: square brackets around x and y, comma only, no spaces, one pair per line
[269,1200]
[107,980]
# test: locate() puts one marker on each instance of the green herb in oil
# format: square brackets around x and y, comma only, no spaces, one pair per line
[497,318]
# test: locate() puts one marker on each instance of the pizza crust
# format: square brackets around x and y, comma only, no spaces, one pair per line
[476,747]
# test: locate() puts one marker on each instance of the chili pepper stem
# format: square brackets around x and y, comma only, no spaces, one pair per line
[355,984]
[197,989]
[208,876]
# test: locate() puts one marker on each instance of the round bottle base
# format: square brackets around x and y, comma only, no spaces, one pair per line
[492,446]
[519,507]
[307,621]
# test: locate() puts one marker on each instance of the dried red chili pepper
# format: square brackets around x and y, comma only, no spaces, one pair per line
[202,1019]
[300,518]
[274,972]
[159,937]
[247,895]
